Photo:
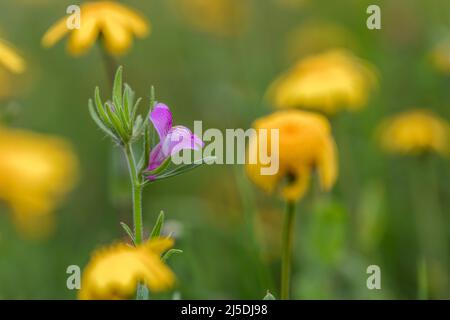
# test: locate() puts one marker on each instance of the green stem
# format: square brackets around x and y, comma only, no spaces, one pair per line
[286,260]
[137,195]
[136,186]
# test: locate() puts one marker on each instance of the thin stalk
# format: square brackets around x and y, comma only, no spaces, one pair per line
[286,260]
[137,195]
[136,186]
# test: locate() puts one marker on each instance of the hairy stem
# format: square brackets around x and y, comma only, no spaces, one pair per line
[137,195]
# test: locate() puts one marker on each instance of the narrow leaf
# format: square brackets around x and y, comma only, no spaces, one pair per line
[99,122]
[100,110]
[115,121]
[117,87]
[160,169]
[138,126]
[147,148]
[184,168]
[156,232]
[135,107]
[127,102]
[170,253]
[128,231]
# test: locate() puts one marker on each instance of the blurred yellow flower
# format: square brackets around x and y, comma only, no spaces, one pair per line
[115,271]
[219,17]
[113,23]
[326,82]
[440,56]
[305,144]
[10,59]
[36,171]
[414,132]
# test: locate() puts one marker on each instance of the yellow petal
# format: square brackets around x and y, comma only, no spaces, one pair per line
[83,38]
[117,39]
[55,33]
[10,59]
[131,19]
[158,245]
[327,165]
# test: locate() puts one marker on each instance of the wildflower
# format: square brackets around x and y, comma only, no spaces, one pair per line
[114,272]
[218,17]
[36,171]
[440,56]
[171,139]
[113,23]
[10,59]
[414,132]
[305,143]
[327,82]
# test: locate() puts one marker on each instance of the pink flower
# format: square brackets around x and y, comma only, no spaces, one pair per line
[171,139]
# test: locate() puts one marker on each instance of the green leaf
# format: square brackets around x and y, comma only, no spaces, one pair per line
[134,109]
[170,253]
[160,169]
[147,148]
[100,110]
[156,232]
[138,125]
[127,101]
[117,88]
[269,296]
[128,231]
[152,97]
[99,122]
[183,168]
[116,121]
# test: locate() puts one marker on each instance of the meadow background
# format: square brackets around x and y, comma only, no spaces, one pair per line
[230,231]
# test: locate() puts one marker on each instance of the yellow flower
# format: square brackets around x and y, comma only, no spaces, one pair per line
[36,171]
[10,59]
[218,17]
[114,272]
[305,144]
[440,56]
[114,23]
[415,132]
[326,82]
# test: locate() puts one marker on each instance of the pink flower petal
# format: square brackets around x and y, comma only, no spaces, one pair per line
[178,138]
[161,117]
